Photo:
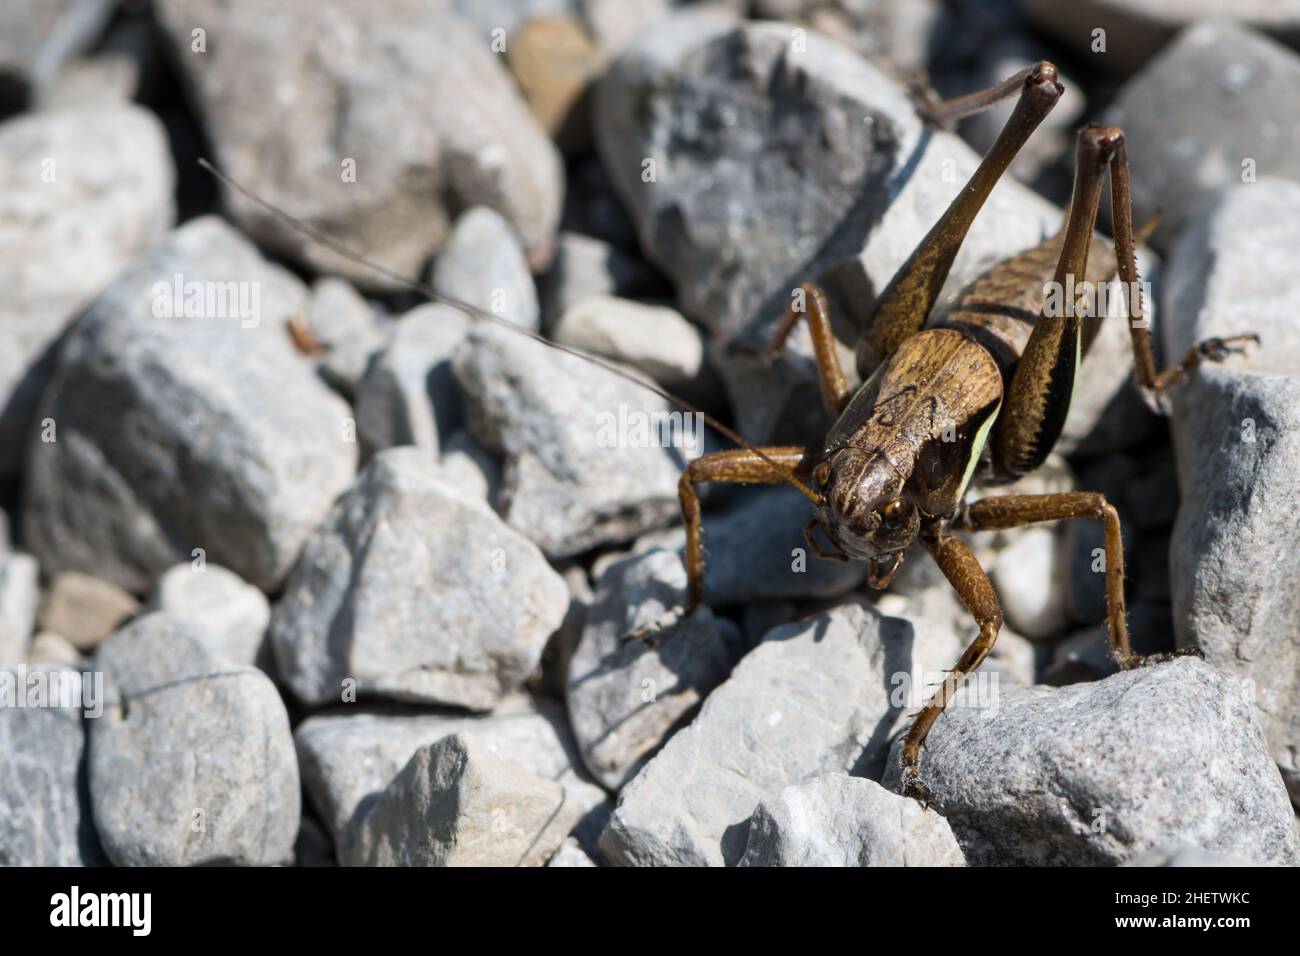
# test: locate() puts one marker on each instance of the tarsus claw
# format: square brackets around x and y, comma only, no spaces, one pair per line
[913,787]
[1217,349]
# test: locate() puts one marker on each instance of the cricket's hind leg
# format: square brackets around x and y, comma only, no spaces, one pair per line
[903,306]
[1211,350]
[1039,393]
[742,466]
[943,113]
[1038,396]
[976,592]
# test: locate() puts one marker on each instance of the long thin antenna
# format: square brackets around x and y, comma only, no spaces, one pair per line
[429,291]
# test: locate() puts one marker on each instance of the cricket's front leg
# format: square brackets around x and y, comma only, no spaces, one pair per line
[830,376]
[742,466]
[1015,511]
[976,592]
[1211,350]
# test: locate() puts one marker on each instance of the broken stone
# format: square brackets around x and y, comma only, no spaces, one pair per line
[459,804]
[374,141]
[626,697]
[192,762]
[1093,774]
[411,591]
[187,423]
[838,820]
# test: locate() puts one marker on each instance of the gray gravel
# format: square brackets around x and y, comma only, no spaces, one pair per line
[813,698]
[45,816]
[1235,567]
[411,591]
[206,433]
[626,698]
[192,762]
[325,538]
[362,89]
[1094,773]
[838,820]
[576,472]
[110,198]
[349,756]
[459,804]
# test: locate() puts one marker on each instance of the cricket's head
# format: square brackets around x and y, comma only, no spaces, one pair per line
[862,508]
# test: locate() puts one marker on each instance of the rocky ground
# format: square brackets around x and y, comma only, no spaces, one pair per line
[347,572]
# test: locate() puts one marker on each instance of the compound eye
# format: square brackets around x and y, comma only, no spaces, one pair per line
[823,473]
[894,512]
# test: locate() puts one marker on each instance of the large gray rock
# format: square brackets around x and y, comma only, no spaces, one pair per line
[838,820]
[348,757]
[483,265]
[37,37]
[1216,105]
[1092,774]
[179,431]
[45,817]
[590,458]
[625,697]
[411,591]
[408,395]
[457,803]
[349,121]
[19,595]
[815,697]
[1234,566]
[193,761]
[737,221]
[228,614]
[96,189]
